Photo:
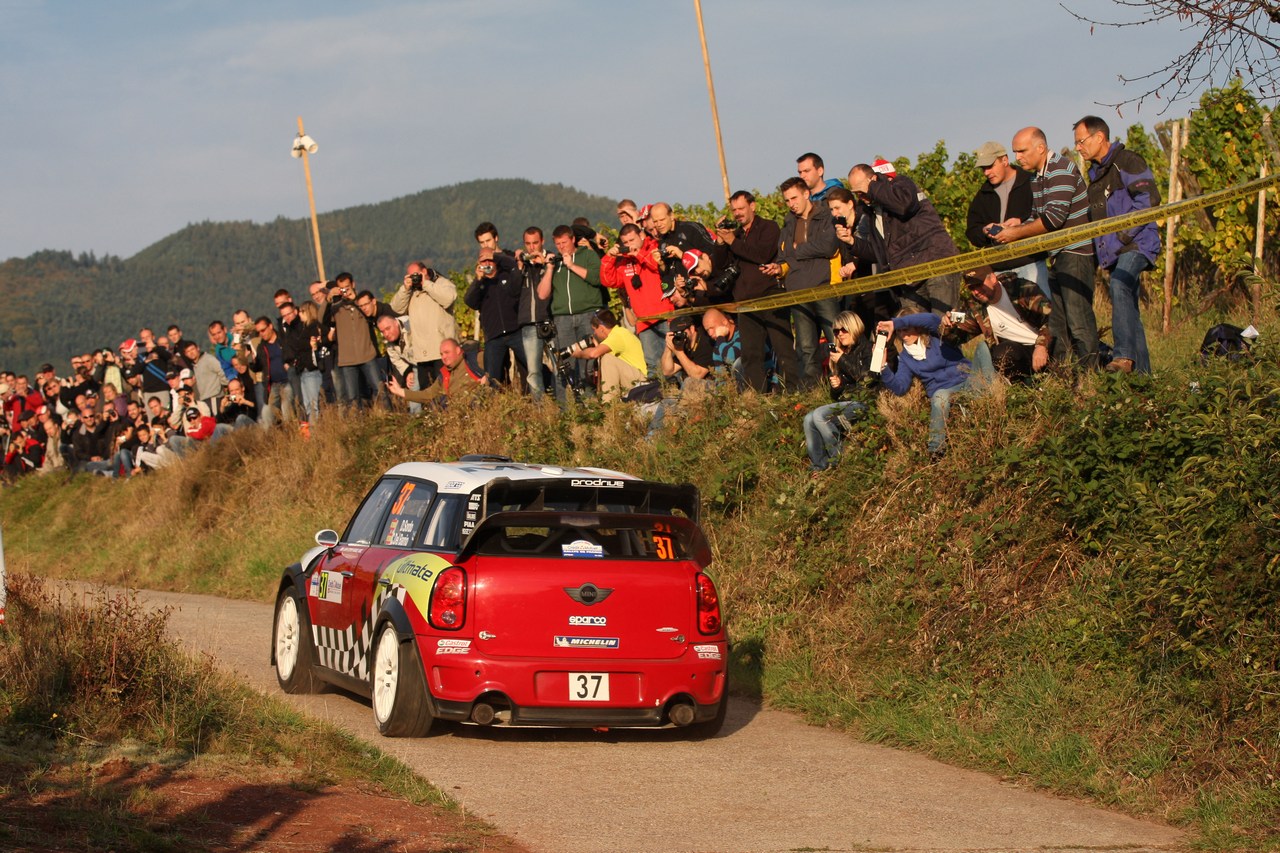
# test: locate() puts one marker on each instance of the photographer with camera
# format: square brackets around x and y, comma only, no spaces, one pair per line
[849,376]
[688,355]
[1012,316]
[495,294]
[534,315]
[571,280]
[620,353]
[427,298]
[907,231]
[850,227]
[941,368]
[357,353]
[754,242]
[235,409]
[629,267]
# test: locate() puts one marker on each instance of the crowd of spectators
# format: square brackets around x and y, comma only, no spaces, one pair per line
[582,317]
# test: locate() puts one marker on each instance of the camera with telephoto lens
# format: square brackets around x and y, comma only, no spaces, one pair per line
[415,281]
[546,330]
[680,340]
[567,352]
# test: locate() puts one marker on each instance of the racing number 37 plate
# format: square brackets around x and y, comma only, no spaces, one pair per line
[588,687]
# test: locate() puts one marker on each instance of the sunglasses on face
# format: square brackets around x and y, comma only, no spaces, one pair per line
[839,330]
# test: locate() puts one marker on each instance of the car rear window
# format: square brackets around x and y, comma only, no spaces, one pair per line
[648,542]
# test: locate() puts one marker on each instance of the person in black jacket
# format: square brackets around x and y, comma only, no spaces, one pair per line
[754,242]
[850,362]
[907,231]
[1004,195]
[495,293]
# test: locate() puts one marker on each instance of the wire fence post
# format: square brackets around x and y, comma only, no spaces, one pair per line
[3,593]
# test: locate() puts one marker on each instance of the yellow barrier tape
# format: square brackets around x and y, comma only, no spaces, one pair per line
[967,261]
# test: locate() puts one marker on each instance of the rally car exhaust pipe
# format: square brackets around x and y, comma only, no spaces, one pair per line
[482,714]
[682,714]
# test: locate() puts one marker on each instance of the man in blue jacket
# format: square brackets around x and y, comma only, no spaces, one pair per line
[1121,182]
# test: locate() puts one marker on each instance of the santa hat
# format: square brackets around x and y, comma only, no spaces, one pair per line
[882,166]
[643,213]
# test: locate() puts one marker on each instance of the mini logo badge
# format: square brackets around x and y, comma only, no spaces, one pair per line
[588,594]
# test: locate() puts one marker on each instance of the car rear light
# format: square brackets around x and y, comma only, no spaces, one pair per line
[708,606]
[449,600]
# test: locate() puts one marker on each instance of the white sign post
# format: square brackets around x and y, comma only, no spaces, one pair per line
[2,589]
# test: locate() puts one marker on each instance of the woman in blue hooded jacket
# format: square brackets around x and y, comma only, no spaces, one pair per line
[940,367]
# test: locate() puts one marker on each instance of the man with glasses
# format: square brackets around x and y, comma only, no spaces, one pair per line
[1004,195]
[1120,182]
[91,444]
[1059,200]
[270,363]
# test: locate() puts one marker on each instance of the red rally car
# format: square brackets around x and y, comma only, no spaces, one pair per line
[494,592]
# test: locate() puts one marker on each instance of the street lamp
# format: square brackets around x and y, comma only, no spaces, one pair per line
[304,146]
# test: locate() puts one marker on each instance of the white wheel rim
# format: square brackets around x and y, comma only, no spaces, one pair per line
[288,629]
[386,673]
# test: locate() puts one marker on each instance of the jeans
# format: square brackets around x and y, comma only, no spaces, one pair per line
[980,376]
[571,328]
[279,404]
[772,328]
[495,355]
[347,381]
[531,343]
[653,341]
[1126,319]
[1037,272]
[312,382]
[1072,319]
[810,319]
[824,431]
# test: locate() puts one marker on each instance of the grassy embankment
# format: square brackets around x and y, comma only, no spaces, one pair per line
[1082,596]
[86,690]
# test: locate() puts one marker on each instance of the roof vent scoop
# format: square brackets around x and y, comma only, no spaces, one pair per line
[484,457]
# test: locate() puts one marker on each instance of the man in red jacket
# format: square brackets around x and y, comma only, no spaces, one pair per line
[629,266]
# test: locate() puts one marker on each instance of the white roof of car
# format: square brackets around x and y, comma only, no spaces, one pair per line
[463,477]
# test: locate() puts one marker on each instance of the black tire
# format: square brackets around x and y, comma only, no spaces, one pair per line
[712,727]
[291,647]
[397,686]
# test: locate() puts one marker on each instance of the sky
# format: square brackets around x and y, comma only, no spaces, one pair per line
[125,122]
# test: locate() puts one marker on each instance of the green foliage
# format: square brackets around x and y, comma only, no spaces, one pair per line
[57,303]
[950,189]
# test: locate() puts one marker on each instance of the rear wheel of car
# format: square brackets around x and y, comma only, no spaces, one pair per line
[293,650]
[398,686]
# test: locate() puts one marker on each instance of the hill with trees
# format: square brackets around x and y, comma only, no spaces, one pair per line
[57,303]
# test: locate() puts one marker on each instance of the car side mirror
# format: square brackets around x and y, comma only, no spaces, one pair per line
[327,538]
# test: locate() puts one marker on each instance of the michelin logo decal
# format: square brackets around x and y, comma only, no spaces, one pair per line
[563,642]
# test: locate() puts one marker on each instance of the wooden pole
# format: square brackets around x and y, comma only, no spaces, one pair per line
[711,90]
[1255,289]
[311,199]
[1170,225]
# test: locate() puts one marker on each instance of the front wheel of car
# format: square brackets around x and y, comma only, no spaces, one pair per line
[398,686]
[294,653]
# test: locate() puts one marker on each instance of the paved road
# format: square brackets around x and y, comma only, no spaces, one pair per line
[769,783]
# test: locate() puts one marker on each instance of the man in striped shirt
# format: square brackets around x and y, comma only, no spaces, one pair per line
[1059,200]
